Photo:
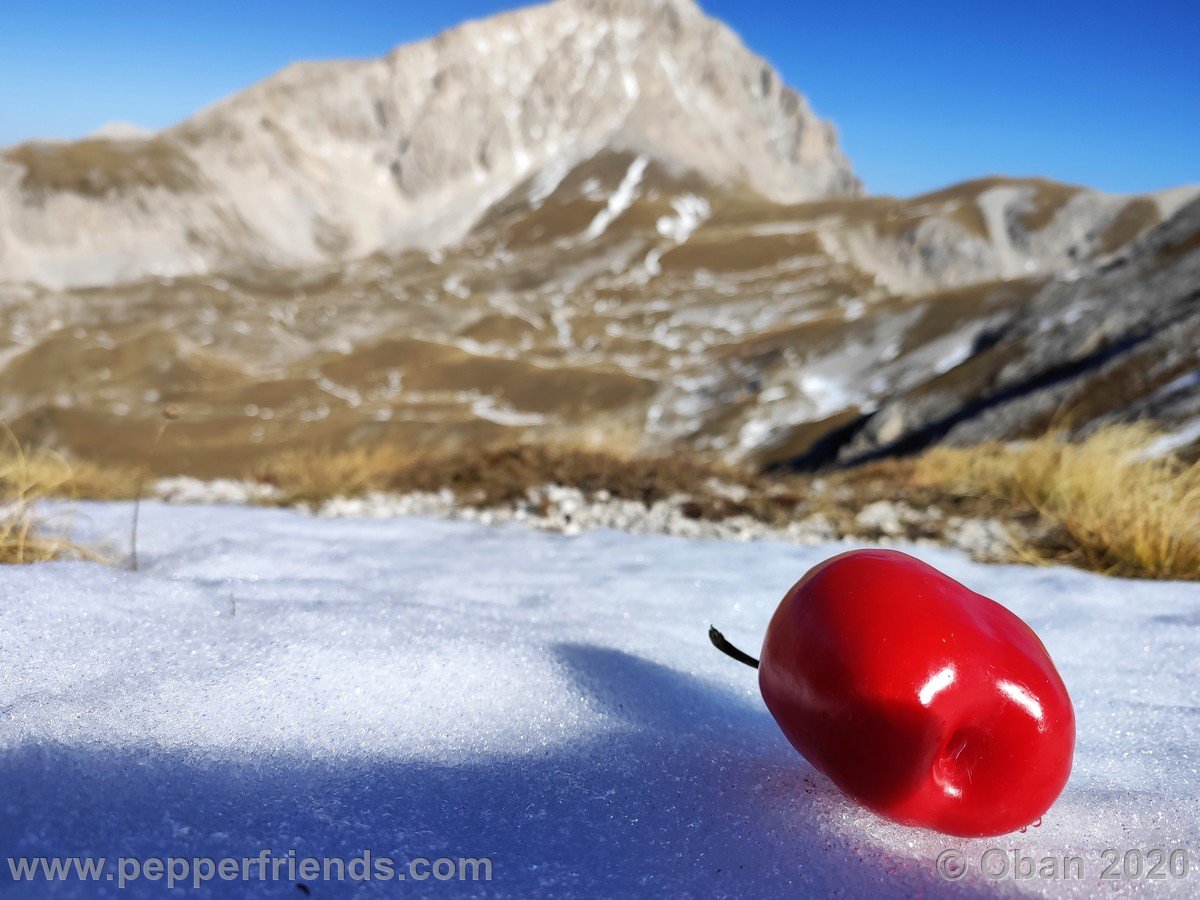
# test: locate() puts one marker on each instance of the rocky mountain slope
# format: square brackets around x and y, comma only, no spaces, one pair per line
[1120,341]
[334,160]
[587,216]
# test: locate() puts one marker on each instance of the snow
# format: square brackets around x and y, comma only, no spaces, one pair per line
[548,179]
[346,394]
[488,407]
[629,83]
[456,287]
[1182,383]
[826,393]
[690,212]
[754,432]
[425,688]
[621,199]
[1174,440]
[957,355]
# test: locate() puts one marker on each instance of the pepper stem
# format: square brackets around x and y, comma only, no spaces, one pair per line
[718,641]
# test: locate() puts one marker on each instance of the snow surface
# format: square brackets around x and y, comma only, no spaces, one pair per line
[425,688]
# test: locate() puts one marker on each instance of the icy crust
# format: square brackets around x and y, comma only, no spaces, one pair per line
[422,687]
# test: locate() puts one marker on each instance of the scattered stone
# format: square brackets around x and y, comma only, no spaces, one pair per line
[888,518]
[182,489]
[985,539]
[568,510]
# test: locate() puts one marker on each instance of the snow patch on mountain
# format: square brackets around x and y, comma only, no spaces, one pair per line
[620,200]
[690,212]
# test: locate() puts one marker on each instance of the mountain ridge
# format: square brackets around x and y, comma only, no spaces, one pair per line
[622,279]
[338,159]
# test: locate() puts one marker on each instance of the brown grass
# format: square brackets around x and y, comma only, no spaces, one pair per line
[94,167]
[26,478]
[93,481]
[1099,503]
[489,476]
[1136,218]
[48,474]
[313,476]
[1109,506]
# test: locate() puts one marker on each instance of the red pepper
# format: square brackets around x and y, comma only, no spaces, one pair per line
[921,699]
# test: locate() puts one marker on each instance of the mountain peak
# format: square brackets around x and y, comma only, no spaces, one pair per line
[329,161]
[650,9]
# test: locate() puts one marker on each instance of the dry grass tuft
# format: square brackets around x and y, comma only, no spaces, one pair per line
[313,476]
[616,437]
[92,481]
[52,475]
[24,480]
[1109,505]
[505,474]
[1101,503]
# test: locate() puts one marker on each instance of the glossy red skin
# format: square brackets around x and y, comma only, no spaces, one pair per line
[924,701]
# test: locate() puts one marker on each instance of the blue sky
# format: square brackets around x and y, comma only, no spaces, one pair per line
[1103,93]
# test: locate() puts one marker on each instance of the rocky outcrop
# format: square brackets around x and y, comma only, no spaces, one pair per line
[1120,341]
